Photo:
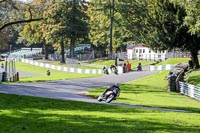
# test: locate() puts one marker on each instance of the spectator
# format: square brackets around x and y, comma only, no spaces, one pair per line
[2,65]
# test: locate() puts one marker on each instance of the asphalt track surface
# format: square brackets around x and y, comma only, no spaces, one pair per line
[75,89]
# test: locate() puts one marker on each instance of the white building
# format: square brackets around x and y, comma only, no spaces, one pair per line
[141,52]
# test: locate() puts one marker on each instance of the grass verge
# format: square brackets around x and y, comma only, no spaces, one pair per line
[194,77]
[134,63]
[152,91]
[174,61]
[22,114]
[42,76]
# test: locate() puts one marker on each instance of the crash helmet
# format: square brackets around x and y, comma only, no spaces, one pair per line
[116,84]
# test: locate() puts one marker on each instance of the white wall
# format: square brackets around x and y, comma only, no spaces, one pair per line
[145,53]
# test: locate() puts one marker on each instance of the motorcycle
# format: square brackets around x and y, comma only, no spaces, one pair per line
[110,94]
[113,68]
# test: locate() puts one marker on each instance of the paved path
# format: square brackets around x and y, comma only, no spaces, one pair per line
[70,89]
[21,73]
[76,88]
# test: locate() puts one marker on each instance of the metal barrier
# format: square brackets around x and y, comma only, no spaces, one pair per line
[1,75]
[190,90]
[161,67]
[61,68]
[179,78]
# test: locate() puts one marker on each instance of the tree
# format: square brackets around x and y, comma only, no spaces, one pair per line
[99,12]
[191,21]
[160,24]
[11,14]
[4,39]
[66,22]
[32,33]
[99,24]
[10,7]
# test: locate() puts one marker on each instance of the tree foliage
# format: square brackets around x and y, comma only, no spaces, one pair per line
[99,12]
[64,23]
[161,25]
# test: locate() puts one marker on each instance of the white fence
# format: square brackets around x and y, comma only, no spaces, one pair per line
[190,90]
[161,67]
[1,77]
[61,68]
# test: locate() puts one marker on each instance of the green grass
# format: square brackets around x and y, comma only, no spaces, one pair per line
[55,75]
[174,61]
[194,77]
[39,115]
[22,114]
[152,91]
[134,63]
[78,65]
[107,63]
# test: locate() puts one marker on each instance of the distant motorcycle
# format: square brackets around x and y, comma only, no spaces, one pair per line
[113,68]
[110,94]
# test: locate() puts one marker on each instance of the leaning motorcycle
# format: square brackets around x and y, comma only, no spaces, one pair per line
[110,95]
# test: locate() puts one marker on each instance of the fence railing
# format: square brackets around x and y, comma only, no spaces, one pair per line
[1,76]
[190,90]
[92,65]
[62,68]
[161,67]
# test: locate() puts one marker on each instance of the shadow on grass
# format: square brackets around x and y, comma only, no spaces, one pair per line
[11,101]
[144,89]
[29,114]
[41,123]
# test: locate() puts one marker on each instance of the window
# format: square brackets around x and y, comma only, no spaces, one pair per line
[140,50]
[149,50]
[136,51]
[143,50]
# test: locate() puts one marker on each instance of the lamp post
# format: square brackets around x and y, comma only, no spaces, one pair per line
[10,49]
[111,26]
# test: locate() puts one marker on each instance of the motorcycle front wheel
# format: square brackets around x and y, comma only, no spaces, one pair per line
[99,99]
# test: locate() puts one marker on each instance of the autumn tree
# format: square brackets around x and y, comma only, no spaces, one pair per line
[11,14]
[10,8]
[65,23]
[33,32]
[100,22]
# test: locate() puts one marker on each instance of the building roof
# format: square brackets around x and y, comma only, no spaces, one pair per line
[136,46]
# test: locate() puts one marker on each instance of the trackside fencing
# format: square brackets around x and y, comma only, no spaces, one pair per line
[190,90]
[62,68]
[161,67]
[1,76]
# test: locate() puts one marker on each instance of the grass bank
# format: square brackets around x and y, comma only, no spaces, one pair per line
[22,114]
[107,63]
[42,76]
[152,91]
[134,63]
[174,61]
[194,77]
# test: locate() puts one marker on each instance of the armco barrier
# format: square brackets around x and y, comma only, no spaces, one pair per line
[1,75]
[161,67]
[61,68]
[190,90]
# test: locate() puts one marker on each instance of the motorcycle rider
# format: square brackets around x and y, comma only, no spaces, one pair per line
[111,88]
